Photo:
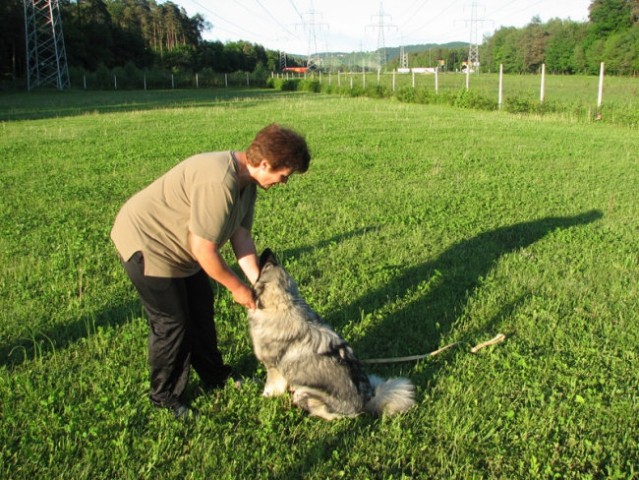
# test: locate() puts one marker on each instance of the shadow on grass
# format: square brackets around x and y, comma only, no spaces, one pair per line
[20,351]
[43,343]
[48,104]
[418,327]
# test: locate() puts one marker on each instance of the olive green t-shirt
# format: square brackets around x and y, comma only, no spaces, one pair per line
[199,195]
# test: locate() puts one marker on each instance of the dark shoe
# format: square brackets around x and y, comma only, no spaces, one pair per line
[184,413]
[179,410]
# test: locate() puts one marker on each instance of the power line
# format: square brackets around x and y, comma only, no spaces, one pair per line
[214,14]
[433,18]
[275,19]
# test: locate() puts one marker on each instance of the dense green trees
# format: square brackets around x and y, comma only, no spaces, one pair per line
[611,36]
[146,34]
[139,33]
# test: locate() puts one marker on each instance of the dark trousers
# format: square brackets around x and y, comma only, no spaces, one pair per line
[182,331]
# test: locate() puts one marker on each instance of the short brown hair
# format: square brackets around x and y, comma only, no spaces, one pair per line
[281,147]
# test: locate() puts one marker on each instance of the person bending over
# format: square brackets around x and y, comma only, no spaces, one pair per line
[169,236]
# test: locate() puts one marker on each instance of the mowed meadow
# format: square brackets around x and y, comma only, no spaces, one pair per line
[417,226]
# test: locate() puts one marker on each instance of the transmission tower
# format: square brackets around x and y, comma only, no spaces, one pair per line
[381,27]
[46,55]
[313,59]
[403,58]
[473,48]
[282,59]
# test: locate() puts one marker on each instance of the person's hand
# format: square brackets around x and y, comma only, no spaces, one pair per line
[244,296]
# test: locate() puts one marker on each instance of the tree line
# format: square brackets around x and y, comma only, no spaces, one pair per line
[610,35]
[145,34]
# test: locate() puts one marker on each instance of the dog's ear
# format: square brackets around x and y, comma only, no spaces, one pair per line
[267,257]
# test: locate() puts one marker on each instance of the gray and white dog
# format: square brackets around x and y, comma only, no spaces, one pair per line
[304,355]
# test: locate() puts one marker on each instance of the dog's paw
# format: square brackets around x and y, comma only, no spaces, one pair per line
[276,384]
[273,391]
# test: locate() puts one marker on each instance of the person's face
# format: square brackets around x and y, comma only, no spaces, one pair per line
[267,176]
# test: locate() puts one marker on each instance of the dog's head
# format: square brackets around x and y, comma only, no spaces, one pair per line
[274,288]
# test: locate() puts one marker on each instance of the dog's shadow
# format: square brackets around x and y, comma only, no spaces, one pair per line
[422,320]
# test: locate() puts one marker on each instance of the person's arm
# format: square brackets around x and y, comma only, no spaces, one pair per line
[245,252]
[208,256]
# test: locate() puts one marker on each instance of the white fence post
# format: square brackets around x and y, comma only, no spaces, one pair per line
[601,82]
[543,83]
[437,81]
[501,86]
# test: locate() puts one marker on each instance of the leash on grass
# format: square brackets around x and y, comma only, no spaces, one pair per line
[497,339]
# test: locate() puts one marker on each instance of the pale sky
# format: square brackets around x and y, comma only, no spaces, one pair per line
[310,26]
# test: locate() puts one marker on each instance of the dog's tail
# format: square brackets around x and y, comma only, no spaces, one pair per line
[390,396]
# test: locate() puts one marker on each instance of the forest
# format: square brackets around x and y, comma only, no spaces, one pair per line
[146,34]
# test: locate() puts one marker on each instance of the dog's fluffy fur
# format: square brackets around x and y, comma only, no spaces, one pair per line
[304,355]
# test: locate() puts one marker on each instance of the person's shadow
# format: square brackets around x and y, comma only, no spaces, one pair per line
[443,286]
[16,351]
[424,318]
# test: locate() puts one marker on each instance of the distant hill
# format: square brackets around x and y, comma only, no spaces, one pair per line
[391,52]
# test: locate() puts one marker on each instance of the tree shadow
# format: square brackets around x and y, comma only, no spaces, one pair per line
[54,104]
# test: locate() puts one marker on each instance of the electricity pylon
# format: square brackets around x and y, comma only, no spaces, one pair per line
[313,59]
[46,55]
[403,58]
[473,48]
[381,26]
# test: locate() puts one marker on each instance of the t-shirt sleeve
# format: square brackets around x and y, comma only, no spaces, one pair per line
[247,221]
[211,206]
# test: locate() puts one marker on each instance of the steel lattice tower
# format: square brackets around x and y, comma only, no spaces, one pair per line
[473,48]
[313,59]
[381,26]
[403,58]
[46,55]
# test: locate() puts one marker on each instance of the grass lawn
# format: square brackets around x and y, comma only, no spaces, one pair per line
[415,227]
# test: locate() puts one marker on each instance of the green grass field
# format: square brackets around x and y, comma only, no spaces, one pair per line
[415,227]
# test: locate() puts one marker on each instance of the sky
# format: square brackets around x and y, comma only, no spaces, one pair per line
[309,26]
